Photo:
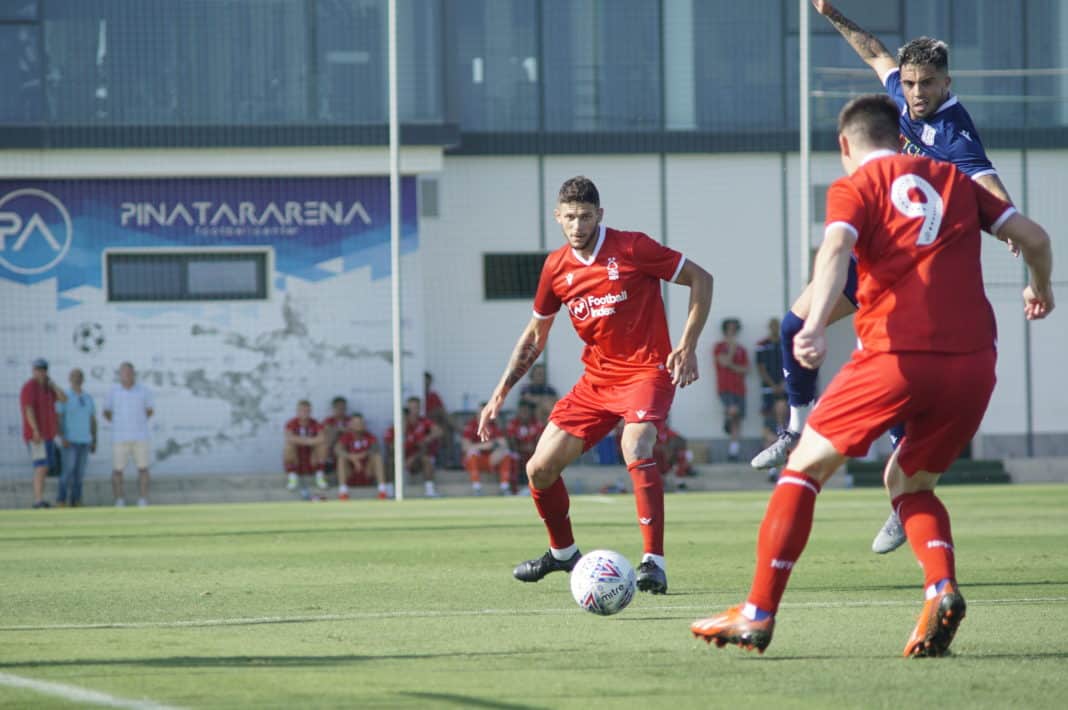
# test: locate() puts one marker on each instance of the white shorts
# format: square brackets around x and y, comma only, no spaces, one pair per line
[123,451]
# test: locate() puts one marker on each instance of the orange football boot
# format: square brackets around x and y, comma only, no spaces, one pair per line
[733,627]
[937,624]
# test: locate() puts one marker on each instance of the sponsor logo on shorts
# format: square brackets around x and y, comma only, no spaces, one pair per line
[641,413]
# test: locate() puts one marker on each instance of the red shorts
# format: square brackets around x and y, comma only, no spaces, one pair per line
[359,474]
[590,411]
[306,463]
[941,398]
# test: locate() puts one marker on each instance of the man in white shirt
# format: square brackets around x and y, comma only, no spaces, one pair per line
[128,407]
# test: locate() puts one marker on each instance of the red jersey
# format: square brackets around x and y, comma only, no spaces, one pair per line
[919,276]
[338,423]
[414,435]
[42,400]
[614,301]
[308,428]
[727,380]
[353,443]
[433,402]
[471,430]
[525,433]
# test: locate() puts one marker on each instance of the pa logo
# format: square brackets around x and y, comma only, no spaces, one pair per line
[35,231]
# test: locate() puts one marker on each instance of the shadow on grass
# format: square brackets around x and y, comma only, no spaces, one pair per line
[249,661]
[468,701]
[965,585]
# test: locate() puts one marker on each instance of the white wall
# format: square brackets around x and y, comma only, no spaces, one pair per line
[726,213]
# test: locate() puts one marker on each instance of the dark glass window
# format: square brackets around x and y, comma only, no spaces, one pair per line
[18,10]
[738,66]
[493,64]
[20,81]
[602,65]
[186,276]
[511,276]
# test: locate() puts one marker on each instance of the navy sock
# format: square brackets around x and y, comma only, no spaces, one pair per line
[800,381]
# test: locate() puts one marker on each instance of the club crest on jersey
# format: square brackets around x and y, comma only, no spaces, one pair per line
[613,269]
[569,278]
[928,135]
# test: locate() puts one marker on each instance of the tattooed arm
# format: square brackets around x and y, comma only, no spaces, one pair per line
[867,46]
[527,350]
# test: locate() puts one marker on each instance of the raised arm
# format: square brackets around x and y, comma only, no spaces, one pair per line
[866,45]
[527,350]
[682,362]
[1034,245]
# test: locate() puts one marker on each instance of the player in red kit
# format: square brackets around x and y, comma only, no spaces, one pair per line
[421,440]
[523,432]
[926,358]
[305,450]
[358,457]
[491,455]
[609,281]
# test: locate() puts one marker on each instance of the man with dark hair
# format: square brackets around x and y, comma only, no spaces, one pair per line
[358,458]
[926,358]
[37,405]
[333,426]
[422,437]
[304,452]
[732,365]
[773,405]
[610,283]
[931,122]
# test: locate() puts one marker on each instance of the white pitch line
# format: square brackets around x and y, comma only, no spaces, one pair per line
[79,695]
[423,613]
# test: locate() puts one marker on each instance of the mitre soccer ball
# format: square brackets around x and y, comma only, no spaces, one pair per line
[603,582]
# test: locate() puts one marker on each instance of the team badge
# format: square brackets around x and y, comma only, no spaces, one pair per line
[613,269]
[928,135]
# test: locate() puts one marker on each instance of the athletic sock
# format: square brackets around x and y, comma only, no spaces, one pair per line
[733,448]
[657,560]
[553,505]
[783,535]
[800,381]
[798,415]
[926,524]
[649,500]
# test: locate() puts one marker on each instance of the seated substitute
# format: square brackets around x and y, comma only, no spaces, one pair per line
[421,440]
[333,427]
[523,432]
[357,458]
[489,456]
[305,450]
[673,454]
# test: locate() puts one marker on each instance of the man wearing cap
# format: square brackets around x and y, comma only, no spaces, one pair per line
[37,402]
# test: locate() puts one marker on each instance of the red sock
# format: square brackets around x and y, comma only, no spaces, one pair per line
[553,505]
[783,536]
[926,523]
[649,499]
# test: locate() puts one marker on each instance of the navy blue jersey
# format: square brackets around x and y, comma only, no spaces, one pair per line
[949,135]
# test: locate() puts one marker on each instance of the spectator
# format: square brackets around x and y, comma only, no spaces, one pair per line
[37,402]
[357,456]
[333,426]
[305,451]
[437,413]
[77,437]
[769,366]
[489,456]
[540,392]
[672,453]
[421,440]
[128,407]
[523,432]
[732,364]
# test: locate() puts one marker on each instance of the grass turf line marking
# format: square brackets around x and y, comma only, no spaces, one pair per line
[78,695]
[416,613]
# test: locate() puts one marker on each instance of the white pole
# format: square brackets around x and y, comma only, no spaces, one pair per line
[805,192]
[394,256]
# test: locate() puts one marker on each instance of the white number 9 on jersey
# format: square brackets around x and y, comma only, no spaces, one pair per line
[931,209]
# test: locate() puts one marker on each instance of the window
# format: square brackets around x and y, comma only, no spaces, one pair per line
[511,276]
[160,275]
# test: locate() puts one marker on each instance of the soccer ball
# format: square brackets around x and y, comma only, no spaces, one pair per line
[603,582]
[89,337]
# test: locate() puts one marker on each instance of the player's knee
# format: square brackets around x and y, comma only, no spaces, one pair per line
[541,473]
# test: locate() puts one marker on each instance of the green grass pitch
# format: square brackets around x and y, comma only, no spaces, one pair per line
[412,605]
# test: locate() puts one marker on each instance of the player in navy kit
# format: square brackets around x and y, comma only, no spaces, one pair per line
[933,123]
